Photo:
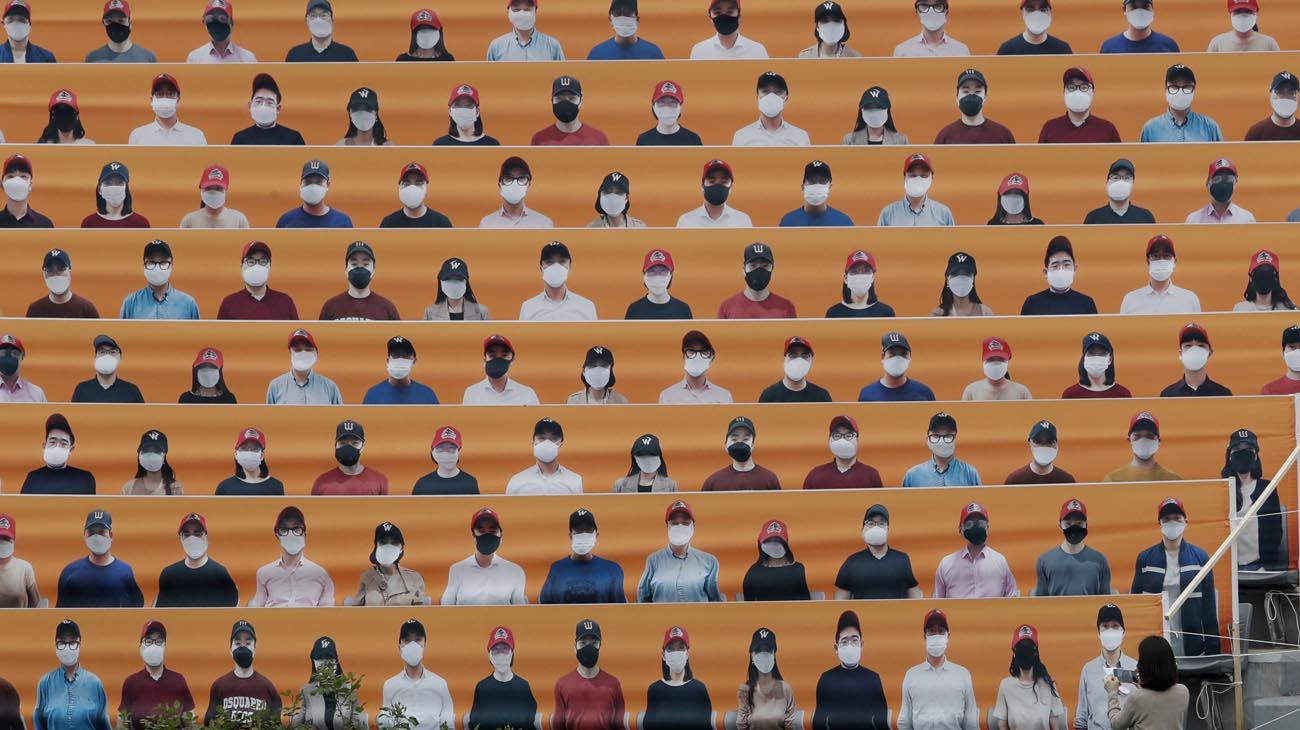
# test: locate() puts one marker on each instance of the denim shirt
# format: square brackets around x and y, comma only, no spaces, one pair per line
[175,304]
[691,578]
[79,704]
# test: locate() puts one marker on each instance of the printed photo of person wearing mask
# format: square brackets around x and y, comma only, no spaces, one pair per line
[794,387]
[158,299]
[598,377]
[698,356]
[547,475]
[627,44]
[106,387]
[502,699]
[120,48]
[1264,292]
[485,578]
[318,708]
[996,383]
[816,188]
[292,581]
[17,185]
[1167,568]
[937,690]
[1290,381]
[1160,295]
[666,103]
[679,573]
[365,128]
[524,42]
[322,47]
[588,698]
[879,570]
[1037,16]
[581,576]
[976,570]
[771,129]
[252,476]
[387,582]
[1078,124]
[1013,203]
[613,202]
[423,693]
[448,478]
[850,696]
[428,43]
[568,129]
[1042,468]
[207,379]
[775,575]
[858,291]
[264,108]
[99,580]
[1059,297]
[716,185]
[314,213]
[743,473]
[895,384]
[197,581]
[1194,353]
[727,43]
[1029,698]
[214,184]
[14,388]
[1259,544]
[18,588]
[154,477]
[831,31]
[1119,194]
[70,696]
[18,46]
[64,125]
[113,201]
[757,300]
[498,388]
[1244,36]
[1179,123]
[1139,37]
[166,128]
[874,122]
[657,272]
[515,181]
[350,477]
[679,701]
[412,190]
[242,693]
[359,303]
[466,120]
[844,471]
[932,40]
[399,388]
[219,21]
[1221,183]
[1090,713]
[972,127]
[1144,441]
[455,300]
[958,297]
[1279,126]
[765,701]
[557,301]
[648,471]
[155,686]
[257,300]
[1072,568]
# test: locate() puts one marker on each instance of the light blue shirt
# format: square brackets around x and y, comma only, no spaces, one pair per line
[79,704]
[691,578]
[540,47]
[900,213]
[927,474]
[175,304]
[318,390]
[1199,128]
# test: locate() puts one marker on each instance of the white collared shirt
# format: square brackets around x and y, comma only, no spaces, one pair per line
[711,49]
[1173,300]
[533,481]
[572,307]
[938,698]
[499,584]
[699,218]
[515,394]
[710,393]
[529,219]
[916,46]
[426,699]
[207,53]
[1233,214]
[181,134]
[756,135]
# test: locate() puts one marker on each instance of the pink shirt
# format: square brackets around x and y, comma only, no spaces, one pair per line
[1234,214]
[988,576]
[207,53]
[305,586]
[22,391]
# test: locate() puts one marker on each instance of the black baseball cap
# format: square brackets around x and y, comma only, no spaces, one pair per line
[1179,71]
[616,181]
[99,517]
[741,422]
[1097,338]
[876,509]
[388,530]
[759,251]
[67,627]
[266,81]
[828,10]
[243,625]
[56,256]
[359,247]
[876,97]
[1110,612]
[364,98]
[1057,245]
[971,74]
[1291,335]
[587,627]
[942,419]
[582,520]
[315,167]
[647,444]
[1284,78]
[454,268]
[548,424]
[157,246]
[894,339]
[1122,163]
[764,640]
[290,512]
[399,345]
[349,428]
[411,628]
[816,169]
[102,340]
[1243,436]
[1043,429]
[599,354]
[566,83]
[555,248]
[153,441]
[961,261]
[772,78]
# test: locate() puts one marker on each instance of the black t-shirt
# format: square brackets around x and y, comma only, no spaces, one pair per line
[1050,302]
[643,308]
[778,393]
[786,583]
[430,219]
[236,487]
[120,391]
[484,141]
[432,484]
[444,57]
[31,220]
[209,586]
[226,397]
[306,53]
[684,707]
[1018,46]
[68,480]
[500,704]
[865,576]
[879,309]
[277,135]
[1107,215]
[682,137]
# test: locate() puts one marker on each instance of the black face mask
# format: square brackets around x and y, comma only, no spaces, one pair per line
[496,367]
[565,111]
[971,104]
[347,455]
[726,24]
[117,32]
[1026,656]
[8,364]
[716,194]
[1241,462]
[758,279]
[589,655]
[1263,281]
[65,120]
[740,451]
[1222,191]
[218,31]
[1074,534]
[487,543]
[359,277]
[243,657]
[976,535]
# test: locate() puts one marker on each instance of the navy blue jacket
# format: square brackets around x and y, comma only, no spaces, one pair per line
[35,54]
[1200,614]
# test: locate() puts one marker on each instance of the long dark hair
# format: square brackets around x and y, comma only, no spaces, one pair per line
[946,297]
[453,130]
[439,298]
[859,124]
[1256,471]
[687,674]
[752,679]
[634,469]
[1110,369]
[846,296]
[220,386]
[102,206]
[50,135]
[763,556]
[168,474]
[998,212]
[1157,668]
[842,42]
[377,130]
[440,47]
[1040,671]
[264,471]
[1279,294]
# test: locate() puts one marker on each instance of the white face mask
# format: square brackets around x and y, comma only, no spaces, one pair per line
[1078,101]
[1292,360]
[320,27]
[1111,638]
[157,277]
[771,105]
[514,193]
[1284,108]
[1179,101]
[56,457]
[113,195]
[412,653]
[797,368]
[1172,530]
[583,543]
[255,275]
[961,285]
[6,549]
[695,367]
[412,196]
[917,187]
[936,645]
[624,27]
[302,361]
[1145,448]
[99,544]
[1043,455]
[58,285]
[152,655]
[773,549]
[1161,270]
[676,660]
[830,32]
[597,377]
[815,195]
[18,30]
[875,536]
[399,367]
[613,203]
[446,458]
[1194,358]
[194,546]
[464,117]
[843,448]
[679,535]
[263,116]
[859,284]
[1096,365]
[164,107]
[249,461]
[524,20]
[68,657]
[942,450]
[17,189]
[427,38]
[1243,22]
[657,284]
[1119,190]
[501,661]
[668,115]
[896,365]
[386,555]
[875,118]
[934,20]
[1140,19]
[363,119]
[312,194]
[995,369]
[293,544]
[850,655]
[648,464]
[213,199]
[151,462]
[1060,279]
[453,288]
[106,364]
[1013,203]
[764,661]
[554,275]
[546,451]
[1037,21]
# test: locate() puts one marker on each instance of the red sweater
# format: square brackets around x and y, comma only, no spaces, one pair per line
[588,704]
[1062,131]
[337,484]
[586,135]
[740,306]
[95,220]
[829,476]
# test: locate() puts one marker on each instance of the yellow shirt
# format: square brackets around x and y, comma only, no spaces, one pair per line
[1130,473]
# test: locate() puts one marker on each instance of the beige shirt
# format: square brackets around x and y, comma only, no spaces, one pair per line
[137,487]
[471,310]
[983,390]
[601,221]
[813,52]
[983,311]
[404,587]
[612,397]
[17,581]
[1229,43]
[227,218]
[773,711]
[1147,710]
[863,137]
[628,484]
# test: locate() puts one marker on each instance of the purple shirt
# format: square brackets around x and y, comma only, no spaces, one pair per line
[208,53]
[961,576]
[304,586]
[1234,214]
[22,391]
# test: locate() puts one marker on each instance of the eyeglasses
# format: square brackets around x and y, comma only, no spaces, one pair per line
[65,645]
[1061,266]
[798,355]
[941,8]
[844,437]
[1078,87]
[1180,89]
[153,642]
[286,531]
[516,180]
[151,265]
[257,261]
[946,438]
[692,354]
[877,523]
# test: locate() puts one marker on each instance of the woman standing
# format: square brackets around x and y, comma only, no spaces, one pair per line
[1159,702]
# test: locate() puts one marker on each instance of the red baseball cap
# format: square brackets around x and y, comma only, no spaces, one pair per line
[117,6]
[151,627]
[19,161]
[932,616]
[996,347]
[668,88]
[773,528]
[18,4]
[917,159]
[1171,502]
[501,635]
[715,164]
[679,506]
[796,341]
[534,2]
[193,517]
[491,340]
[715,2]
[1251,5]
[252,246]
[1161,239]
[209,356]
[657,257]
[1048,3]
[860,257]
[8,527]
[1073,505]
[64,97]
[12,341]
[1147,416]
[974,508]
[446,435]
[1077,71]
[251,434]
[1022,632]
[677,632]
[1222,164]
[846,421]
[463,90]
[484,514]
[413,167]
[301,334]
[161,79]
[215,176]
[425,17]
[221,5]
[1263,257]
[1014,181]
[1192,330]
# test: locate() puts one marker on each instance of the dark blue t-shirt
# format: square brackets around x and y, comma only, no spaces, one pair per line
[610,50]
[299,218]
[1154,43]
[384,393]
[911,390]
[799,217]
[590,581]
[85,585]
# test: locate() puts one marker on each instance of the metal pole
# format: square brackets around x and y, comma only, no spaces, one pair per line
[1239,690]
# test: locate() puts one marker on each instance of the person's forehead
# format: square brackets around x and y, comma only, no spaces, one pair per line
[413,177]
[58,433]
[741,432]
[549,433]
[1060,256]
[818,179]
[566,94]
[973,84]
[943,428]
[155,635]
[107,348]
[516,171]
[157,256]
[314,178]
[1043,438]
[348,438]
[265,94]
[361,256]
[770,87]
[291,522]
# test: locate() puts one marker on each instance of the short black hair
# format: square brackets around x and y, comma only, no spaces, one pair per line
[1157,668]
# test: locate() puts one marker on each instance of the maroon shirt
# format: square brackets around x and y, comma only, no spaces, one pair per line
[740,306]
[242,305]
[242,698]
[1281,386]
[1025,475]
[727,479]
[989,132]
[588,704]
[95,220]
[586,135]
[335,483]
[372,307]
[1062,131]
[829,476]
[1267,131]
[142,694]
[1114,391]
[75,308]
